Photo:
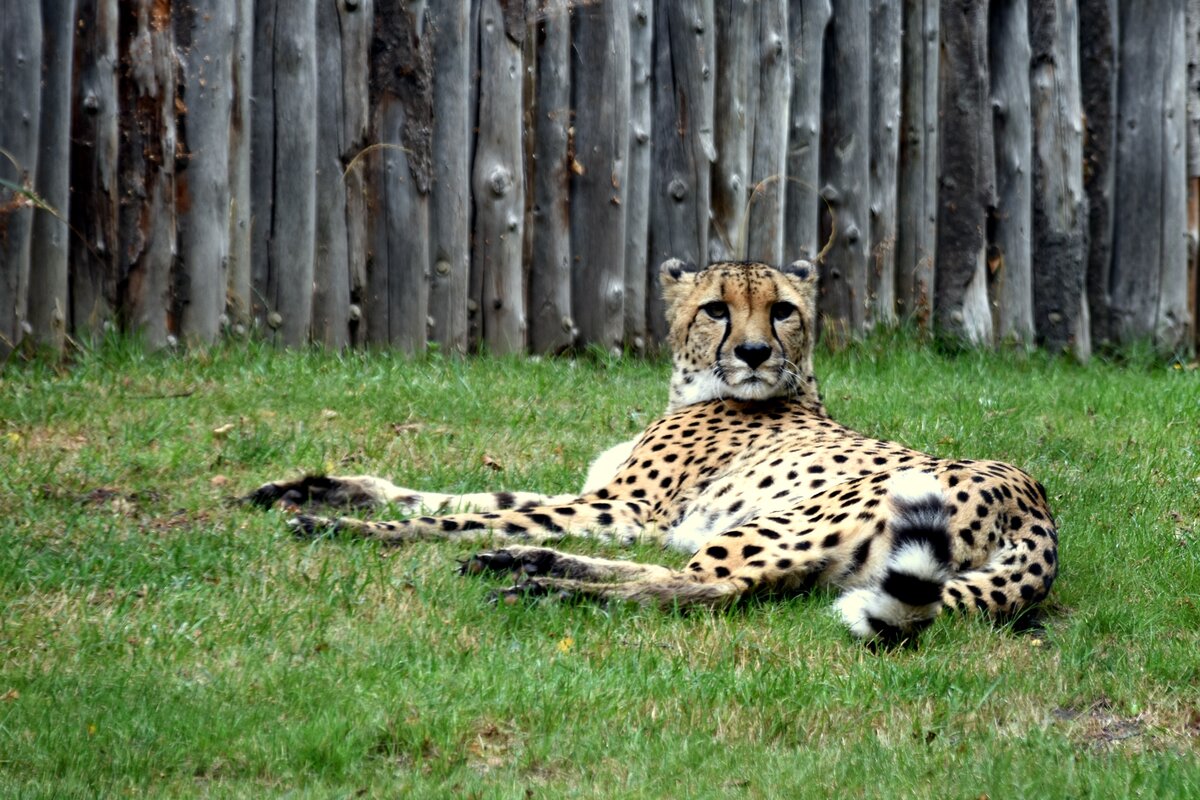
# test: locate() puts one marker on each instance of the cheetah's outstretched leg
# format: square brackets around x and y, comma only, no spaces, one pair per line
[368,491]
[544,562]
[592,516]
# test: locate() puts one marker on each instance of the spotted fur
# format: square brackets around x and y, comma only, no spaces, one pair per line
[747,472]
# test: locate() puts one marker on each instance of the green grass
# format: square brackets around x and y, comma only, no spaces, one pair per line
[158,641]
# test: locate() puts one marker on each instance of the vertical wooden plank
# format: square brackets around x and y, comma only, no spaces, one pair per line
[886,20]
[1150,212]
[1192,50]
[450,201]
[601,87]
[807,23]
[1098,78]
[401,92]
[21,79]
[147,234]
[49,239]
[735,108]
[1059,205]
[845,169]
[768,167]
[967,183]
[262,160]
[551,326]
[293,219]
[204,32]
[1009,253]
[683,140]
[342,30]
[357,23]
[94,189]
[916,187]
[238,283]
[637,206]
[498,182]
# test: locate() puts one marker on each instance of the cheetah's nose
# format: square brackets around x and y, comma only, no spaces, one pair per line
[753,353]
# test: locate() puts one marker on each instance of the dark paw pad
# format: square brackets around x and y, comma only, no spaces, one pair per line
[534,562]
[311,490]
[305,526]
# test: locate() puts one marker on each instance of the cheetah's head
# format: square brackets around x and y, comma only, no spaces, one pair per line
[740,330]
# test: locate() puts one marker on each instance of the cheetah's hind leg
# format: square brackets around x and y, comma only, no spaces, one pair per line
[545,562]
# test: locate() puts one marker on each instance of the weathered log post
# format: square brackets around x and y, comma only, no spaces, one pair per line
[1149,278]
[241,76]
[49,239]
[735,109]
[551,326]
[1009,253]
[204,32]
[917,182]
[807,23]
[638,275]
[967,179]
[95,205]
[399,184]
[768,185]
[1192,48]
[343,42]
[147,237]
[498,182]
[21,79]
[1098,51]
[601,69]
[1059,204]
[886,31]
[845,170]
[683,140]
[450,200]
[284,158]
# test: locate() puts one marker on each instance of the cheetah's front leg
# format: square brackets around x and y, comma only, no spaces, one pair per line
[590,516]
[369,491]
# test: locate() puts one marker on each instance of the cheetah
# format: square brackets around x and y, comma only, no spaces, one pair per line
[748,474]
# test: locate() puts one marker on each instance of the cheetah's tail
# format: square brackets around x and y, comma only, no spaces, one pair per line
[909,594]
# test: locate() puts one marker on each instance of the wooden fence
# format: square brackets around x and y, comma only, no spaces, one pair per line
[508,174]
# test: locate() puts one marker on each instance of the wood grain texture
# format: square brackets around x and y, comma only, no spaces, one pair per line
[1059,203]
[1009,251]
[807,23]
[845,170]
[967,182]
[149,137]
[50,245]
[1149,284]
[204,31]
[551,325]
[600,75]
[680,190]
[498,183]
[450,199]
[917,212]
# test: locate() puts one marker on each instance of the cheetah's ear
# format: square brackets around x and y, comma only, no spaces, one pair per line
[802,270]
[677,279]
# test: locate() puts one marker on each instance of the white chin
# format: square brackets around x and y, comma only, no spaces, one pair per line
[753,390]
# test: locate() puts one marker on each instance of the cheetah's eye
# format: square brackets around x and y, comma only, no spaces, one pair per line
[716,309]
[781,311]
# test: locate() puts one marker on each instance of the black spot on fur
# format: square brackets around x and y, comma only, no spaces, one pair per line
[911,589]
